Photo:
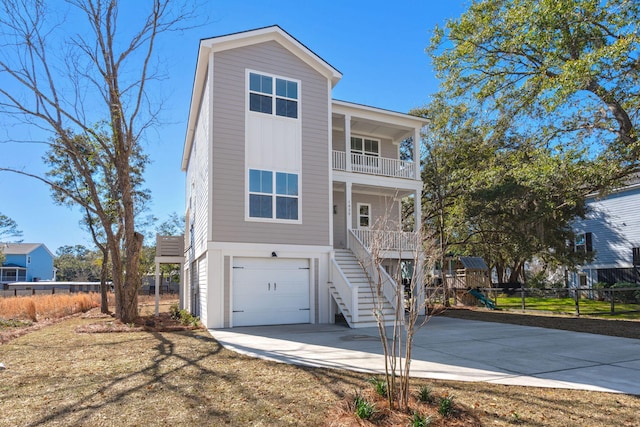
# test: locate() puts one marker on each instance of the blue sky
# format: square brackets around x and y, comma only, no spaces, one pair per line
[377,45]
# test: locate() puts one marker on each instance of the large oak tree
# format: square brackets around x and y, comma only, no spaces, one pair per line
[567,71]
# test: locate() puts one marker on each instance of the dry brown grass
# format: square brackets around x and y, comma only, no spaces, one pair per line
[57,376]
[39,307]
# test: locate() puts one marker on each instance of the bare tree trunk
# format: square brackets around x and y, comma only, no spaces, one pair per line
[104,288]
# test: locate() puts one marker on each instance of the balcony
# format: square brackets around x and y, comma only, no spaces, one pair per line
[396,241]
[374,165]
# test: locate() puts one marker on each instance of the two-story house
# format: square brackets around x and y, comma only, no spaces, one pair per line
[26,262]
[611,230]
[284,185]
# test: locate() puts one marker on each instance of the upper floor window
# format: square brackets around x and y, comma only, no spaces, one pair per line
[365,146]
[279,201]
[264,99]
[584,242]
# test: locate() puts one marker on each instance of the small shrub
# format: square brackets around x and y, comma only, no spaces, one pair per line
[379,385]
[174,312]
[628,297]
[445,406]
[183,316]
[425,394]
[420,420]
[364,409]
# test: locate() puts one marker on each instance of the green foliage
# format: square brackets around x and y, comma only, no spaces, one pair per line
[77,263]
[445,406]
[9,232]
[174,311]
[183,316]
[379,385]
[420,420]
[628,297]
[562,69]
[538,107]
[364,409]
[425,394]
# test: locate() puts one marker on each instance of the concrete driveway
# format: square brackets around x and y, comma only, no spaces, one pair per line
[455,349]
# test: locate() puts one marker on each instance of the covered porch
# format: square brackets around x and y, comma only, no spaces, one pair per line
[374,216]
[367,140]
[10,273]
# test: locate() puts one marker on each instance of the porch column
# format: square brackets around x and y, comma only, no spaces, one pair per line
[416,151]
[347,141]
[417,210]
[347,197]
[157,277]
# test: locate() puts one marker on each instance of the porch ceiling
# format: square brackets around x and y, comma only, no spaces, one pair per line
[368,127]
[370,189]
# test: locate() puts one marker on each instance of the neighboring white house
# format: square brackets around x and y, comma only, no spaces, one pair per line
[283,186]
[611,230]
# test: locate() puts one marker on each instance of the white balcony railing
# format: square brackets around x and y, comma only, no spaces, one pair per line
[400,241]
[374,165]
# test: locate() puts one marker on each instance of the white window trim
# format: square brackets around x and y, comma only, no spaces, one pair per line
[273,219]
[358,216]
[363,151]
[273,95]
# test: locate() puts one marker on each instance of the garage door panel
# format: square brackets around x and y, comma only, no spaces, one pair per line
[269,291]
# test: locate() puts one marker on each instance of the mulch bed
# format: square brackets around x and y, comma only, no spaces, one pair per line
[610,327]
[105,324]
[151,323]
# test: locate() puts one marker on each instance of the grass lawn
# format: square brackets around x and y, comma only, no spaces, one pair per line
[588,307]
[57,376]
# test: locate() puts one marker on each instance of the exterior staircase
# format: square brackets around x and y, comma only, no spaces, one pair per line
[366,296]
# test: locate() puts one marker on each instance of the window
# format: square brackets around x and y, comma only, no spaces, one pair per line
[367,153]
[584,242]
[364,146]
[279,201]
[364,215]
[636,256]
[262,99]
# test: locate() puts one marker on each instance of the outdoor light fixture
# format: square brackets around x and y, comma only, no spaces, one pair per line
[274,254]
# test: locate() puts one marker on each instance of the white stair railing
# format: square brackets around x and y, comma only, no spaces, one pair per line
[347,291]
[389,286]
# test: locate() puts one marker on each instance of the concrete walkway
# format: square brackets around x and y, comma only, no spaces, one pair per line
[454,349]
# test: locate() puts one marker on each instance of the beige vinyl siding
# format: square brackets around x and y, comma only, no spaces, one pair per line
[382,209]
[229,141]
[198,179]
[387,148]
[338,140]
[339,221]
[203,289]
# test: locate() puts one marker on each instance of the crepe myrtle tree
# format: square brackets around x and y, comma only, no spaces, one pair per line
[63,79]
[402,283]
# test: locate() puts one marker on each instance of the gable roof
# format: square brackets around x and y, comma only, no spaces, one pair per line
[21,248]
[241,39]
[473,263]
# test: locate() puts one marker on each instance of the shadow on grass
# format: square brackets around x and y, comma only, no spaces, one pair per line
[119,388]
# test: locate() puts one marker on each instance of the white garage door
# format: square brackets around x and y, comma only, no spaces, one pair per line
[270,291]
